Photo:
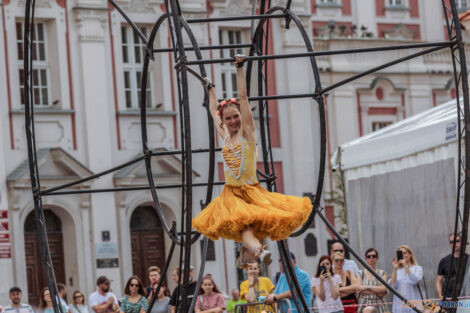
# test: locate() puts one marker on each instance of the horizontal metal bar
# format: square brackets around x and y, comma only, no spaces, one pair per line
[278,97]
[179,151]
[116,168]
[381,67]
[234,18]
[323,53]
[135,188]
[234,46]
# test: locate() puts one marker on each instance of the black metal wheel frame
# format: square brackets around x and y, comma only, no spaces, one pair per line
[258,52]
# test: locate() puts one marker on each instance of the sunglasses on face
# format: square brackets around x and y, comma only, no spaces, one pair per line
[339,261]
[338,250]
[452,241]
[134,285]
[78,297]
[372,256]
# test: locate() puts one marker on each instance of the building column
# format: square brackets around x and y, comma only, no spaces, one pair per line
[91,23]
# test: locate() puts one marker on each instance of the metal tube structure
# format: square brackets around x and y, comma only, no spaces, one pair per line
[184,236]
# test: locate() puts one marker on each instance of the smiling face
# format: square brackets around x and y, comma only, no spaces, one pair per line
[15,297]
[231,118]
[47,296]
[253,269]
[208,286]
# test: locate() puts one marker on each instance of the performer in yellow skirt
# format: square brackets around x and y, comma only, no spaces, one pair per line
[245,211]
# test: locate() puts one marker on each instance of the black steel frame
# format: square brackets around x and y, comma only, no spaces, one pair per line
[258,53]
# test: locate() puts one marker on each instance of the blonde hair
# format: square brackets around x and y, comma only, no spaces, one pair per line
[413,260]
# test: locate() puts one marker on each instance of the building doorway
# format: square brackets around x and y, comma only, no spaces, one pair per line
[34,268]
[147,241]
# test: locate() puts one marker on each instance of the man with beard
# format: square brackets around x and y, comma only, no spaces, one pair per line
[102,300]
[444,268]
[16,306]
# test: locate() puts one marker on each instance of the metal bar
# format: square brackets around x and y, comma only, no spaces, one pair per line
[234,46]
[135,188]
[234,18]
[323,53]
[116,168]
[136,29]
[381,67]
[159,153]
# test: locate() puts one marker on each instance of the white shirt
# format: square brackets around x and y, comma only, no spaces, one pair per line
[64,304]
[96,299]
[350,265]
[330,304]
[23,308]
[407,285]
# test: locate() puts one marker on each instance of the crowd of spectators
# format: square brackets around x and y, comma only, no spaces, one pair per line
[337,286]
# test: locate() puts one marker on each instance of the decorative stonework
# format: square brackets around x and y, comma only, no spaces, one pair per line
[39,3]
[237,7]
[400,31]
[91,23]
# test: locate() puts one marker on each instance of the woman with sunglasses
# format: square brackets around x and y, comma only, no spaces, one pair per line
[245,211]
[78,303]
[134,300]
[325,286]
[405,278]
[349,284]
[371,291]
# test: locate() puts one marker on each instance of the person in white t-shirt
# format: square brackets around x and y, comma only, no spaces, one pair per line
[349,265]
[325,285]
[102,300]
[16,306]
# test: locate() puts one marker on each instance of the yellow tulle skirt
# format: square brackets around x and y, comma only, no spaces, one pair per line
[269,214]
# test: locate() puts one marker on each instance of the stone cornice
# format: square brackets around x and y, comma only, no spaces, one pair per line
[91,22]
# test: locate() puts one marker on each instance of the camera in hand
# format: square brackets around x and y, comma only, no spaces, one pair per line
[322,268]
[399,255]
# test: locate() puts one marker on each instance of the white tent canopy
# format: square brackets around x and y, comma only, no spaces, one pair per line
[401,185]
[432,128]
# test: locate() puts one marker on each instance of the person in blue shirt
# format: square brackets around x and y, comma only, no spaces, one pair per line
[282,290]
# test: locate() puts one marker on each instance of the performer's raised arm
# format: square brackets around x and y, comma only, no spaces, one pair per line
[214,108]
[245,110]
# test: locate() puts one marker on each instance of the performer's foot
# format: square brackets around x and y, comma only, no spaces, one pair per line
[265,257]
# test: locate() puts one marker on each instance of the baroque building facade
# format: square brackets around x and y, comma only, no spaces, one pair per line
[88,66]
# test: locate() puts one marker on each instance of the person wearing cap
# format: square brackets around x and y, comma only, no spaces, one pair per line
[103,300]
[174,300]
[16,306]
[282,290]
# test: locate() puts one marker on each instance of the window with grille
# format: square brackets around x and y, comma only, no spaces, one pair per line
[40,74]
[461,4]
[396,2]
[329,1]
[133,54]
[379,125]
[228,71]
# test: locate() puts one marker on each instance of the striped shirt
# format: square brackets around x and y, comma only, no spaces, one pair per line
[22,308]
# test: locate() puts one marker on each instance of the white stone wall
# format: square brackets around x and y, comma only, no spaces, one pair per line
[96,113]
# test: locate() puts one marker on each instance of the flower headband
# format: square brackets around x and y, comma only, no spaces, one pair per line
[224,103]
